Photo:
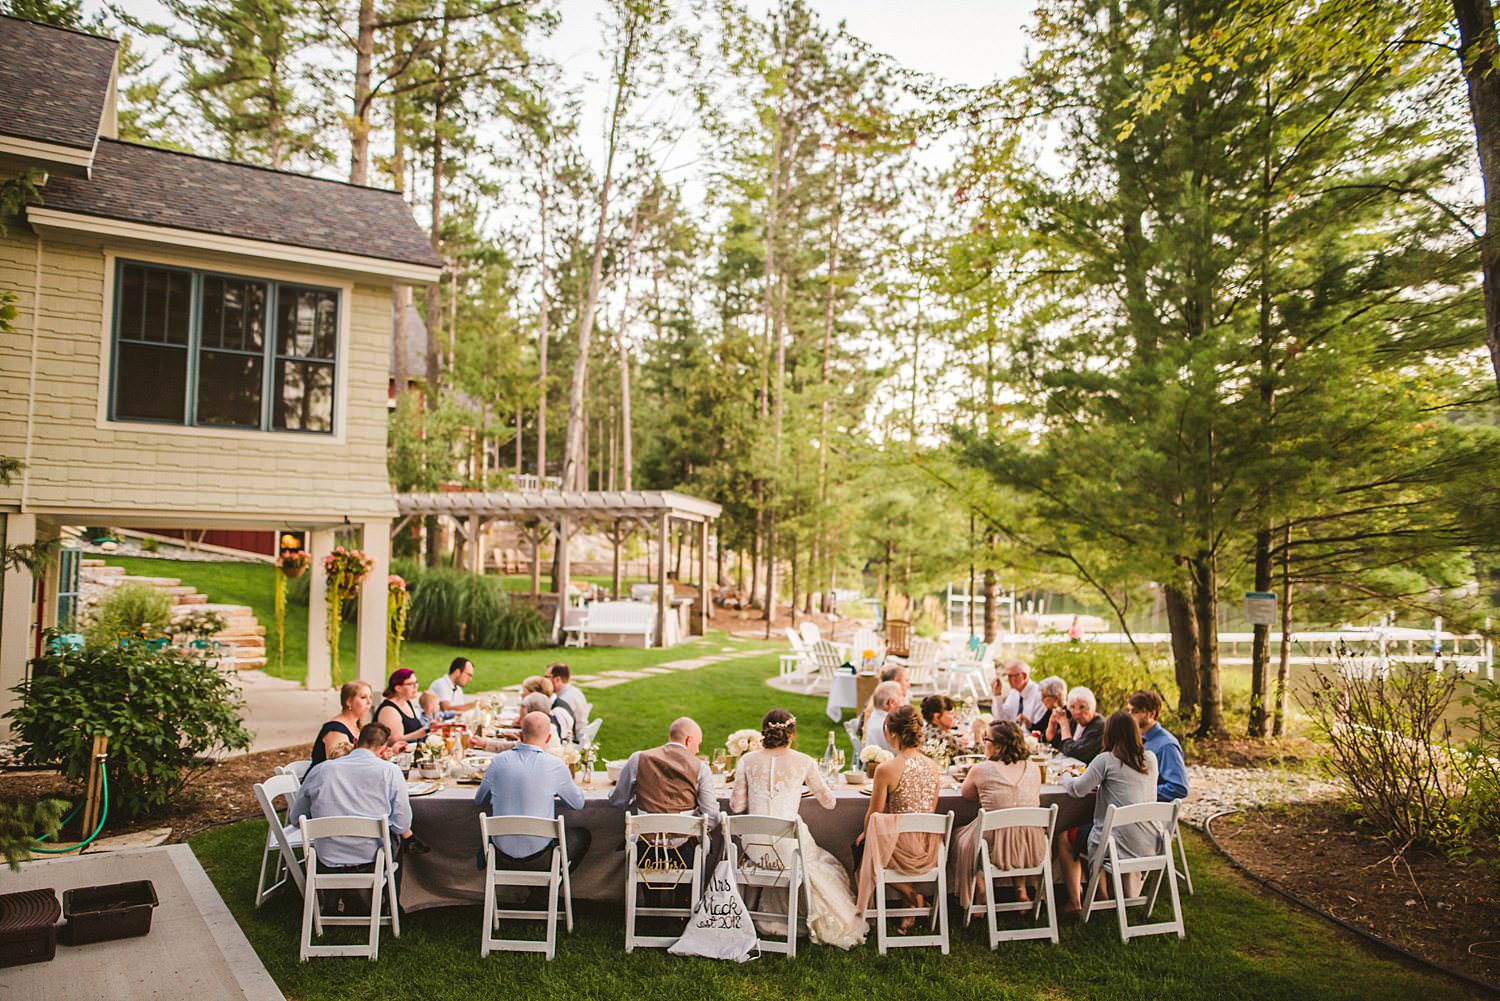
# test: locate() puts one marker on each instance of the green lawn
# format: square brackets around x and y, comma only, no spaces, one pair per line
[1240,944]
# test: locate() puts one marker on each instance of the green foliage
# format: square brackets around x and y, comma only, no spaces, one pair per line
[453,606]
[1110,672]
[1479,812]
[160,709]
[21,824]
[130,609]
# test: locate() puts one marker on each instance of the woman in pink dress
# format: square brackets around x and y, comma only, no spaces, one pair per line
[1006,779]
[908,783]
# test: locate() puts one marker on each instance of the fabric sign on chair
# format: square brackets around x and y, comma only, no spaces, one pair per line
[720,927]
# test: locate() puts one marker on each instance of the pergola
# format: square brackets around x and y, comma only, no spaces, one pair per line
[563,511]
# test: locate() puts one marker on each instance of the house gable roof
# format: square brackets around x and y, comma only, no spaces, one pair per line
[54,83]
[163,188]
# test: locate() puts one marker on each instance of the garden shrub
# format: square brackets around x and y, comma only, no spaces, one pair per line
[1110,672]
[161,710]
[460,608]
[1389,740]
[1479,813]
[129,610]
[22,823]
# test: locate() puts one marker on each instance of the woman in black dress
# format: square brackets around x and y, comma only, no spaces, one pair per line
[398,712]
[355,699]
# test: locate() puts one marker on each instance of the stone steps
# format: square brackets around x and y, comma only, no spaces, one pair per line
[242,634]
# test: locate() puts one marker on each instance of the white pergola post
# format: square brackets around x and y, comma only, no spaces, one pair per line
[319,663]
[370,645]
[15,615]
[663,530]
[476,546]
[705,599]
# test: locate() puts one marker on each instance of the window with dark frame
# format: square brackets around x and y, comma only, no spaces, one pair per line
[213,350]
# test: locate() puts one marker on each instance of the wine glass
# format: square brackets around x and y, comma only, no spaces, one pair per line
[720,761]
[838,762]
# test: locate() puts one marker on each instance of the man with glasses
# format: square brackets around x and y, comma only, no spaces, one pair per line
[1019,699]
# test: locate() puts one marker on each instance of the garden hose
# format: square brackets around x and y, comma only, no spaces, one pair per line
[103,814]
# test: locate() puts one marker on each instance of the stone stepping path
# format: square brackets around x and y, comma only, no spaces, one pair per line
[608,679]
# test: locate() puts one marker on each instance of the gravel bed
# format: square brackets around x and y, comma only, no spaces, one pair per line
[1215,790]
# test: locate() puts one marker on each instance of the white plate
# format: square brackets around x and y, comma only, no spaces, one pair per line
[421,788]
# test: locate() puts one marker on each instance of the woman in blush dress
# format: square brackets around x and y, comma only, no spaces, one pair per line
[1005,779]
[908,783]
[769,783]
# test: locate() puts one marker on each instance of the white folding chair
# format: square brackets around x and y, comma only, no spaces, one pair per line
[381,881]
[297,769]
[937,913]
[279,861]
[1044,818]
[768,855]
[554,878]
[1183,873]
[659,841]
[1160,820]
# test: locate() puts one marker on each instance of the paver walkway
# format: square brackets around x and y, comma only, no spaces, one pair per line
[608,679]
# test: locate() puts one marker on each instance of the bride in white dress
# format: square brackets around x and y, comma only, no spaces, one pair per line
[769,782]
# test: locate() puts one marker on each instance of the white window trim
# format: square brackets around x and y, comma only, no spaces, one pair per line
[341,365]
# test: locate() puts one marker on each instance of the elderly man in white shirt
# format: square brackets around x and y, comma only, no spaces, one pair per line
[450,687]
[886,697]
[1020,698]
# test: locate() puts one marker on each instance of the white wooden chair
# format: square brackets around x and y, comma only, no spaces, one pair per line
[1109,858]
[1183,873]
[937,913]
[810,632]
[658,840]
[865,639]
[382,881]
[990,821]
[798,664]
[280,861]
[966,671]
[923,662]
[297,769]
[768,855]
[826,656]
[590,731]
[554,878]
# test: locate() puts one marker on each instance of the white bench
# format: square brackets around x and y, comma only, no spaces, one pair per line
[620,618]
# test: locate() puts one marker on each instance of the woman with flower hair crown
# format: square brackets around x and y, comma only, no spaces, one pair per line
[769,782]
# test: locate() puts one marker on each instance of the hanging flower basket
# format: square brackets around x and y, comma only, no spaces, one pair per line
[293,563]
[346,570]
[398,600]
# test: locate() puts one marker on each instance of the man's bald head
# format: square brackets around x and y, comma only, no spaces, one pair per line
[686,732]
[536,728]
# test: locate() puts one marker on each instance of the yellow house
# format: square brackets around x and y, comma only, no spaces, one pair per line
[197,343]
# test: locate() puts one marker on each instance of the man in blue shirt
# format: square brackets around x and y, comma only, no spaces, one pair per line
[528,782]
[1171,770]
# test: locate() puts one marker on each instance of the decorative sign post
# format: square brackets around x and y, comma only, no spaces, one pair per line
[1260,608]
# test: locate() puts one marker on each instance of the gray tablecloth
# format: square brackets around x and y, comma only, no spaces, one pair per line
[448,821]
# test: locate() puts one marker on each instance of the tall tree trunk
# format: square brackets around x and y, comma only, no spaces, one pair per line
[830,302]
[1260,652]
[1260,647]
[1206,609]
[624,67]
[1283,666]
[1479,57]
[435,291]
[364,69]
[543,337]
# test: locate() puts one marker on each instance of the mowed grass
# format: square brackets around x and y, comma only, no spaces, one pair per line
[1240,944]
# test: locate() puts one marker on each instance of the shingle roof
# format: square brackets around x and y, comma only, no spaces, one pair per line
[178,190]
[53,83]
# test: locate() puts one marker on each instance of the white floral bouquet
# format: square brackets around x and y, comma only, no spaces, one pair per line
[568,752]
[742,742]
[873,755]
[429,748]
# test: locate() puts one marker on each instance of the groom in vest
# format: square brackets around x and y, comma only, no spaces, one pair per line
[670,779]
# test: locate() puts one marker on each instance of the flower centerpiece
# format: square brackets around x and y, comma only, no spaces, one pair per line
[292,563]
[346,570]
[398,601]
[588,754]
[872,757]
[426,752]
[740,743]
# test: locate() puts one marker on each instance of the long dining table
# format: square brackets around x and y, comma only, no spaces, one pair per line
[451,874]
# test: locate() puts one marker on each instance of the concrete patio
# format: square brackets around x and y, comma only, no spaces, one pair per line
[194,952]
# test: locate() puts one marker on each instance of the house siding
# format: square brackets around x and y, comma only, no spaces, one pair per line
[81,464]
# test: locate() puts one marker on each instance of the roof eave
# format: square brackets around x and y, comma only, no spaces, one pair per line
[21,154]
[72,225]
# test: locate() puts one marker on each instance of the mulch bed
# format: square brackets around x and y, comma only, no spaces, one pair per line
[217,793]
[1445,911]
